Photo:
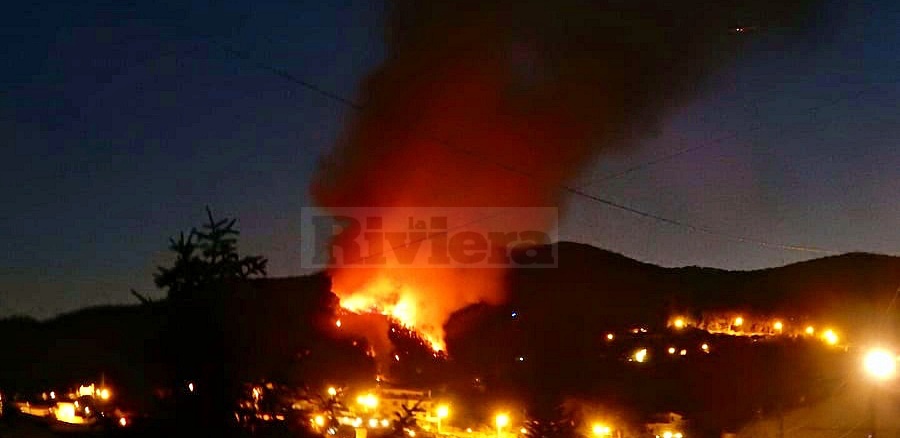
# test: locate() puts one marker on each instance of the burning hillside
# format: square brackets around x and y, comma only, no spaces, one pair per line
[499,104]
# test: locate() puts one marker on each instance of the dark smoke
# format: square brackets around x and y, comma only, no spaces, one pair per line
[539,87]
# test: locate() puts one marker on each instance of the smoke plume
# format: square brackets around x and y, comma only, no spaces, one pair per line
[500,103]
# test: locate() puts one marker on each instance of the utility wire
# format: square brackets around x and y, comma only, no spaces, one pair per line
[719,140]
[512,169]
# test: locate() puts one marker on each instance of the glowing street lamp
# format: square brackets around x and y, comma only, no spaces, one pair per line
[369,401]
[679,323]
[738,321]
[880,364]
[443,411]
[778,326]
[332,391]
[831,338]
[502,420]
[601,430]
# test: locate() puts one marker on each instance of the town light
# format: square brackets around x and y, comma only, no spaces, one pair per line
[104,394]
[737,323]
[880,364]
[830,337]
[778,326]
[671,350]
[640,355]
[810,330]
[610,336]
[319,420]
[501,420]
[370,401]
[332,391]
[679,323]
[600,429]
[443,411]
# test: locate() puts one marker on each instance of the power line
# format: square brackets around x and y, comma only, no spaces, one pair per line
[717,141]
[512,169]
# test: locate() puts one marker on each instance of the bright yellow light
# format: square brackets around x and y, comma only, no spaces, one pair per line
[443,411]
[338,323]
[600,429]
[385,423]
[610,336]
[667,434]
[104,394]
[319,420]
[830,337]
[679,323]
[880,364]
[332,391]
[737,323]
[502,420]
[368,400]
[523,431]
[683,352]
[671,350]
[411,433]
[65,412]
[640,355]
[123,421]
[191,387]
[373,423]
[705,347]
[678,435]
[778,326]
[810,330]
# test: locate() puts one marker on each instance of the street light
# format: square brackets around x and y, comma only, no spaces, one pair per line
[502,420]
[332,391]
[880,365]
[443,411]
[601,430]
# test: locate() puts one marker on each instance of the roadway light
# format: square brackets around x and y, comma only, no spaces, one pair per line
[778,326]
[679,323]
[640,355]
[502,420]
[332,391]
[880,364]
[810,330]
[443,411]
[369,401]
[738,321]
[831,338]
[601,430]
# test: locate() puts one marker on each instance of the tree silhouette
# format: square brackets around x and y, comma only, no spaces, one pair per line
[218,259]
[406,419]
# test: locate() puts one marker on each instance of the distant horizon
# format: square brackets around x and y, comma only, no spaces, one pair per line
[132,301]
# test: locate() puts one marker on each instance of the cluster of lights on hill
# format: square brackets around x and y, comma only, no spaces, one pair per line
[737,325]
[731,325]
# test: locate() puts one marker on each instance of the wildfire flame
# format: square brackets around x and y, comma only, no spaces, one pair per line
[397,301]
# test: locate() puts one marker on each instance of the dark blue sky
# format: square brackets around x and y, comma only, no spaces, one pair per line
[120,123]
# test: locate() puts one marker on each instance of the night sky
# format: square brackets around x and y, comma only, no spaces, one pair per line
[120,123]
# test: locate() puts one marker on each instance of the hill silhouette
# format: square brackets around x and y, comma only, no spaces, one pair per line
[546,343]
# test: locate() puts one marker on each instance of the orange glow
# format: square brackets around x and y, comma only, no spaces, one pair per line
[65,412]
[399,302]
